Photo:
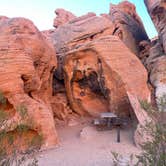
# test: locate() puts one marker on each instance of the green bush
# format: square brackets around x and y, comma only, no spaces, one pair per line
[36,141]
[21,128]
[154,150]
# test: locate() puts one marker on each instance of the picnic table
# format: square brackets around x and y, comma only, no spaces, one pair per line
[109,116]
[110,119]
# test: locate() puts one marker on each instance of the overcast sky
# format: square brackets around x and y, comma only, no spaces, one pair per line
[41,12]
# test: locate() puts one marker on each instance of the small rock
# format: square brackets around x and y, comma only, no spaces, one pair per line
[88,133]
[73,122]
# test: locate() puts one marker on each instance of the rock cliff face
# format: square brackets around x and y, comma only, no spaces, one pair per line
[157,11]
[27,63]
[85,65]
[128,25]
[97,81]
[156,61]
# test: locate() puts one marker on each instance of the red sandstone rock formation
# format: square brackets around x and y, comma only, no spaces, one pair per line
[128,25]
[98,77]
[75,32]
[78,30]
[71,37]
[27,62]
[157,11]
[156,60]
[62,17]
[158,76]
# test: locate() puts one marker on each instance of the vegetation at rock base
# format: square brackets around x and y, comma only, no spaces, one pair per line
[2,99]
[10,152]
[153,150]
[22,110]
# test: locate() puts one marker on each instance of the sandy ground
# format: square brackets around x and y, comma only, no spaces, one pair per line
[92,151]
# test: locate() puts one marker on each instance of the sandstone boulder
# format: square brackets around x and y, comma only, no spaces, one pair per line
[27,62]
[88,133]
[129,26]
[62,17]
[76,32]
[98,77]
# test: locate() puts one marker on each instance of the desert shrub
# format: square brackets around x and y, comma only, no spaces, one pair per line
[2,98]
[22,110]
[22,159]
[153,150]
[3,114]
[21,128]
[36,141]
[16,157]
[119,160]
[3,117]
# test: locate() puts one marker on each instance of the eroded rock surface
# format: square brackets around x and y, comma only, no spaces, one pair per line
[156,61]
[62,17]
[76,32]
[158,76]
[157,11]
[97,81]
[128,25]
[27,62]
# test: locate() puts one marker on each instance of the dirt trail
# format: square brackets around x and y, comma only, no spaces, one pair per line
[94,151]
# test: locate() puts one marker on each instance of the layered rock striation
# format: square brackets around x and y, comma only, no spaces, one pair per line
[27,62]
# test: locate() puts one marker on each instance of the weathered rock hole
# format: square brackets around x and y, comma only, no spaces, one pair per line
[30,84]
[92,82]
[36,64]
[58,85]
[25,80]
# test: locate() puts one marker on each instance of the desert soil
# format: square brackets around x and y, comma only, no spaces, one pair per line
[92,148]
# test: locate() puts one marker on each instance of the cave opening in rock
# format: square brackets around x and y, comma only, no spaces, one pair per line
[57,84]
[93,82]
